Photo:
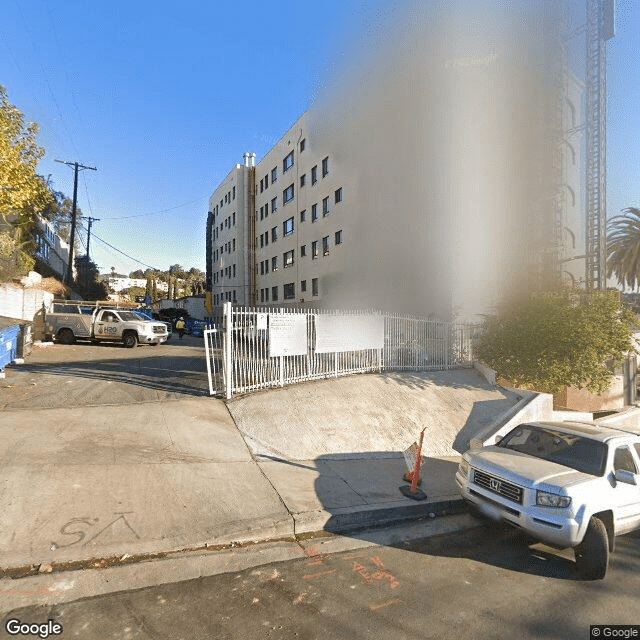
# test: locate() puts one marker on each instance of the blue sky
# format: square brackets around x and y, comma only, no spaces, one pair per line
[165,97]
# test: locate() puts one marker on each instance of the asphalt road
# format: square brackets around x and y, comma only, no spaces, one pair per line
[83,374]
[485,582]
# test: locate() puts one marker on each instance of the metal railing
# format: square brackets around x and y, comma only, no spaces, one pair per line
[246,355]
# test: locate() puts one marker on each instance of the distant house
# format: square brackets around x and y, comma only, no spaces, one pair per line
[51,251]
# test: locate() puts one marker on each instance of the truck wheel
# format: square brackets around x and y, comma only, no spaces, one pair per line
[130,339]
[65,336]
[592,554]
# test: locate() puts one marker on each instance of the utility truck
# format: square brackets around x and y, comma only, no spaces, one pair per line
[70,320]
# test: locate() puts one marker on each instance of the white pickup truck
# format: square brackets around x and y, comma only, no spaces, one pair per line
[568,484]
[69,321]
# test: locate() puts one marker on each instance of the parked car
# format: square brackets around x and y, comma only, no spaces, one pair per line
[148,316]
[568,484]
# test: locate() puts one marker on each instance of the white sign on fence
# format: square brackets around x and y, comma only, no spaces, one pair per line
[261,321]
[287,334]
[348,333]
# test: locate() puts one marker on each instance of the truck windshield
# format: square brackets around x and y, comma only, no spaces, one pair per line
[568,449]
[128,316]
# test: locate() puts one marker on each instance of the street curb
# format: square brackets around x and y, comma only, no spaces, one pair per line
[346,520]
[70,586]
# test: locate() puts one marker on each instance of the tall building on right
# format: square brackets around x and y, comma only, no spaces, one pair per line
[584,27]
[445,171]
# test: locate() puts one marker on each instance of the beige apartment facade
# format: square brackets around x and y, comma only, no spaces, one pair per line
[231,258]
[302,214]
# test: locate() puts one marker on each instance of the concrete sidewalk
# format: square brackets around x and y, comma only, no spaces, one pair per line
[83,484]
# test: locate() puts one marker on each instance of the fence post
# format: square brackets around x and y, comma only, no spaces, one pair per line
[227,360]
[281,360]
[208,354]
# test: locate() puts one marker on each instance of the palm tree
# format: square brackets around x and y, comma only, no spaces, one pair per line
[623,248]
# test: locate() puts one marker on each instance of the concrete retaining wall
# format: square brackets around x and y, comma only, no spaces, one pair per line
[531,407]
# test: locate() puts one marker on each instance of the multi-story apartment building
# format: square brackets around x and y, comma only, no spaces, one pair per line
[317,234]
[424,187]
[230,259]
[301,213]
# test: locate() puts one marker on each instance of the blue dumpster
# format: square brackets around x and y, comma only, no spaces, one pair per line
[9,337]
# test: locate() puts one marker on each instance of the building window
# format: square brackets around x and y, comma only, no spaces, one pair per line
[261,295]
[303,215]
[266,181]
[287,226]
[314,249]
[325,246]
[274,234]
[325,206]
[261,240]
[303,144]
[266,209]
[274,263]
[325,166]
[314,287]
[234,219]
[303,285]
[266,266]
[274,293]
[234,270]
[262,268]
[266,294]
[303,250]
[314,212]
[338,237]
[287,258]
[261,213]
[262,185]
[287,194]
[314,174]
[338,195]
[266,238]
[234,193]
[274,205]
[287,163]
[234,244]
[289,291]
[303,179]
[274,174]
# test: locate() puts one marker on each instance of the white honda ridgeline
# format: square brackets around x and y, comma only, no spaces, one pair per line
[568,484]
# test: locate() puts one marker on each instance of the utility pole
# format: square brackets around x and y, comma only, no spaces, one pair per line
[76,166]
[91,221]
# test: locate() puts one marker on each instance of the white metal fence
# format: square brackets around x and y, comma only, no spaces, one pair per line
[263,347]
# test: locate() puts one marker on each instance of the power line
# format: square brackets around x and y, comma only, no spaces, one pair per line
[155,213]
[125,254]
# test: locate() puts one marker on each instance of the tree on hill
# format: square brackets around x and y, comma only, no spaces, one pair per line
[23,193]
[555,340]
[87,282]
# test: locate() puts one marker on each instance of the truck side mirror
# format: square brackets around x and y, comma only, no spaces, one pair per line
[622,475]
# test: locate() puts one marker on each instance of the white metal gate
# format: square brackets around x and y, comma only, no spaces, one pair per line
[249,352]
